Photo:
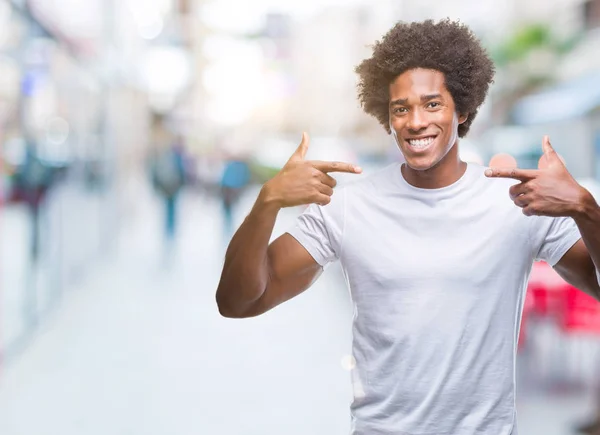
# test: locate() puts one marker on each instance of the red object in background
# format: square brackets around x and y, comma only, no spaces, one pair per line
[548,295]
[582,313]
[546,290]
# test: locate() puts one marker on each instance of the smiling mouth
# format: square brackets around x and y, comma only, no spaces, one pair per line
[422,143]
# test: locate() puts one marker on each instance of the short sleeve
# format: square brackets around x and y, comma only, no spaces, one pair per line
[320,229]
[555,236]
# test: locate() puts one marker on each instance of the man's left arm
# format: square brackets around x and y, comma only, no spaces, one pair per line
[552,191]
[580,266]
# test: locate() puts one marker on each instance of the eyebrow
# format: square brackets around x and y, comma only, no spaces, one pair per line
[404,101]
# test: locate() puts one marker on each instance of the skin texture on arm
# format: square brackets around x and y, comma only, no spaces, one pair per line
[257,276]
[578,266]
[292,270]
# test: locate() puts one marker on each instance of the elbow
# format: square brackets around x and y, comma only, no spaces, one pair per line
[229,313]
[229,310]
[226,310]
[234,302]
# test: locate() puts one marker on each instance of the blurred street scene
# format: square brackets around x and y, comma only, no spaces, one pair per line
[135,137]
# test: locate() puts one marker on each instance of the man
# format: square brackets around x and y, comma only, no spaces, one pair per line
[435,253]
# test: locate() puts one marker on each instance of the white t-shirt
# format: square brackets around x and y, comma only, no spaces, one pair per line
[437,279]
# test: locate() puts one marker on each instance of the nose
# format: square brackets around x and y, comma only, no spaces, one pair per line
[417,120]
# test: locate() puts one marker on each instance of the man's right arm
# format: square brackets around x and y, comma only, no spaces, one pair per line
[257,276]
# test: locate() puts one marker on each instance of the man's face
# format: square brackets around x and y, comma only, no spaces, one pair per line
[423,117]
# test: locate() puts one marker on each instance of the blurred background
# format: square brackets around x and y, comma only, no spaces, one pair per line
[135,136]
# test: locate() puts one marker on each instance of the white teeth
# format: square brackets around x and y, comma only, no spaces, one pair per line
[421,143]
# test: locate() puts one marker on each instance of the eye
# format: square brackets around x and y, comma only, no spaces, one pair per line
[433,104]
[400,110]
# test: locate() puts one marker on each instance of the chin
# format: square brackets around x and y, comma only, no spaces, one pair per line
[420,164]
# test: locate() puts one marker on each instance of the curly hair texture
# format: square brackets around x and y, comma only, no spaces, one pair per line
[447,46]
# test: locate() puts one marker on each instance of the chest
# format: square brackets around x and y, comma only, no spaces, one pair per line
[441,244]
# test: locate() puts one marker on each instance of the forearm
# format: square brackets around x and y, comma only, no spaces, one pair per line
[588,222]
[245,273]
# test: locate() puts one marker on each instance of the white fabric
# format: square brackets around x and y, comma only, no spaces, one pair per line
[437,278]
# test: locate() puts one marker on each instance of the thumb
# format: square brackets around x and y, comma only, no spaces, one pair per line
[550,157]
[300,152]
[546,146]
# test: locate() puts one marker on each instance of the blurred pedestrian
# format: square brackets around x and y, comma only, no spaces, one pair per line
[32,181]
[168,178]
[436,251]
[234,179]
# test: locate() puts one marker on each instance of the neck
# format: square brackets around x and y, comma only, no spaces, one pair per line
[444,173]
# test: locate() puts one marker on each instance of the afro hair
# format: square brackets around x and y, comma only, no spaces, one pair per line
[446,46]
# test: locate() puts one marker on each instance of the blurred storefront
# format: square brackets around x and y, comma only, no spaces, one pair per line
[569,113]
[74,122]
[547,83]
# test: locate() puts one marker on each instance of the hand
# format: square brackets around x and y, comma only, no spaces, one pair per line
[548,191]
[303,181]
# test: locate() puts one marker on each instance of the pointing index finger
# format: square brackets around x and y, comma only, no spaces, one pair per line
[514,173]
[336,167]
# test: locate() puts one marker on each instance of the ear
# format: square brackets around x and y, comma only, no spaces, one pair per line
[463,118]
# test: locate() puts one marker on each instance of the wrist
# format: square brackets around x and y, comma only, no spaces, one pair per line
[268,200]
[586,208]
